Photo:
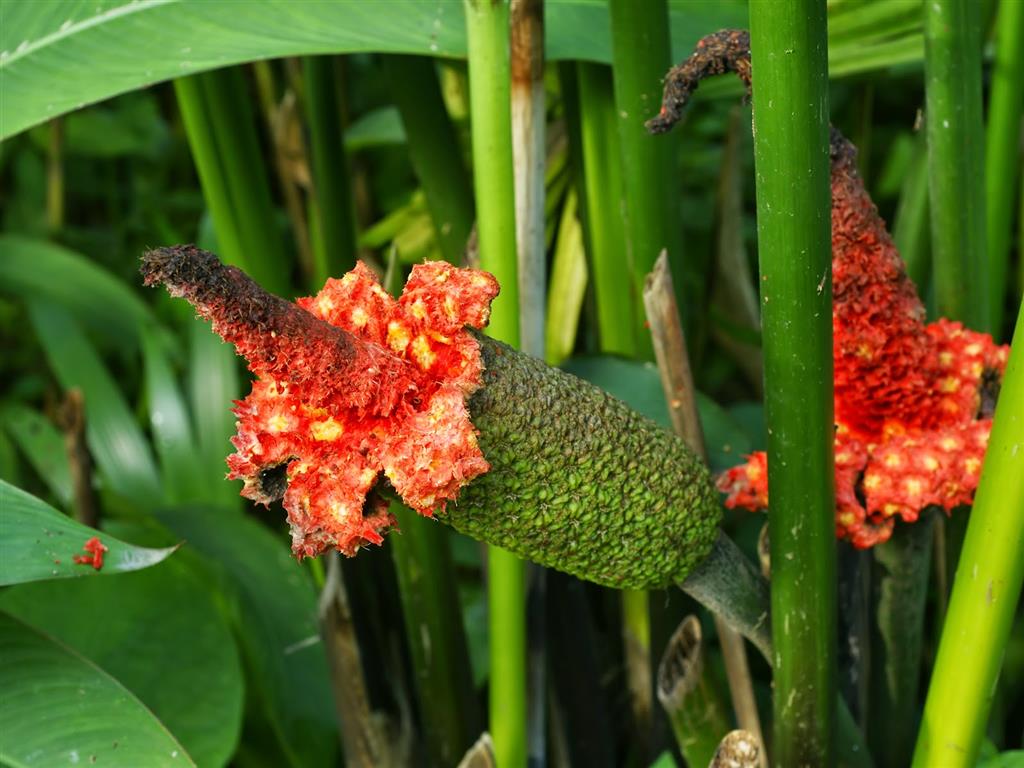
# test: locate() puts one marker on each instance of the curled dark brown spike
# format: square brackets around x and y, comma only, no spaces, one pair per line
[727,50]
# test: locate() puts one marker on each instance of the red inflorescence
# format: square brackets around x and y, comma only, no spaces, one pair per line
[400,409]
[95,548]
[911,421]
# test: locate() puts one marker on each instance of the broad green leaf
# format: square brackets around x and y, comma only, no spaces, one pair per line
[59,708]
[172,428]
[36,269]
[277,626]
[60,56]
[43,446]
[377,128]
[114,437]
[183,663]
[639,386]
[1014,759]
[212,387]
[37,542]
[9,466]
[665,760]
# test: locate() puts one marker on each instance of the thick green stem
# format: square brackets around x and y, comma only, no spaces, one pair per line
[212,177]
[1002,150]
[444,686]
[789,49]
[641,54]
[603,211]
[900,586]
[985,592]
[487,28]
[433,149]
[955,160]
[910,230]
[334,241]
[222,137]
[242,162]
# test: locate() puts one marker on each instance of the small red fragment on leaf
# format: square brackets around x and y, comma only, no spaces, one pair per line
[95,548]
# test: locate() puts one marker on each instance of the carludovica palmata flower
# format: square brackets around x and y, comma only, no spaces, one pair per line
[913,401]
[359,396]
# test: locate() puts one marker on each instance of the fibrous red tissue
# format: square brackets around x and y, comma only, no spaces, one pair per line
[911,424]
[397,408]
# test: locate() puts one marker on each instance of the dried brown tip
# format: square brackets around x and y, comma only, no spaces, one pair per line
[727,50]
[682,664]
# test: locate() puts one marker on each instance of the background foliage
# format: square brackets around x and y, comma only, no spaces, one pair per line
[291,139]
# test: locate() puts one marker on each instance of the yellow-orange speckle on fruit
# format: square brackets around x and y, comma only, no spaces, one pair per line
[328,429]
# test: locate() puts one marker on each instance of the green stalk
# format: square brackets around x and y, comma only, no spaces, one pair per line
[433,149]
[618,301]
[234,129]
[487,31]
[334,242]
[955,160]
[986,589]
[212,177]
[1002,149]
[789,48]
[900,586]
[433,625]
[641,55]
[910,224]
[603,198]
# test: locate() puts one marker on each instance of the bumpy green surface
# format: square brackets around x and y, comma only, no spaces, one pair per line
[581,483]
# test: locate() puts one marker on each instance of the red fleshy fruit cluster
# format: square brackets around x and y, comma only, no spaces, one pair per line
[399,408]
[912,417]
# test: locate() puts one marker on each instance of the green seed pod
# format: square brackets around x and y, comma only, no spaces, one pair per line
[581,483]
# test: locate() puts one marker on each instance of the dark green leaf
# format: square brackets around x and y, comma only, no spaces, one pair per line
[377,128]
[37,269]
[58,708]
[212,386]
[114,437]
[278,626]
[172,428]
[37,542]
[183,663]
[43,446]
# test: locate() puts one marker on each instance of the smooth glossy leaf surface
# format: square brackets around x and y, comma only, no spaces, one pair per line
[114,437]
[161,635]
[212,386]
[277,626]
[171,425]
[60,56]
[58,708]
[37,542]
[43,446]
[37,269]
